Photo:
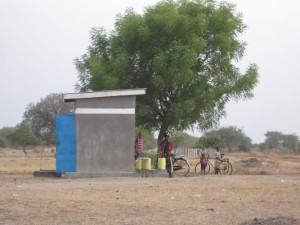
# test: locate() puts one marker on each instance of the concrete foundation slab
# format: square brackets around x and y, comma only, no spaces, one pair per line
[137,173]
[46,173]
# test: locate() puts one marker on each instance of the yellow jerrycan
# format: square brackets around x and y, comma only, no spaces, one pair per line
[146,163]
[161,163]
[138,164]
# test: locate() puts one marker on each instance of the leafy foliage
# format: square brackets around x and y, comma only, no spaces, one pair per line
[23,136]
[210,140]
[183,52]
[278,140]
[291,143]
[273,139]
[41,116]
[181,139]
[149,141]
[5,132]
[2,143]
[230,137]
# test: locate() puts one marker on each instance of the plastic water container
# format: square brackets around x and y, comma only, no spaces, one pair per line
[146,163]
[138,164]
[161,163]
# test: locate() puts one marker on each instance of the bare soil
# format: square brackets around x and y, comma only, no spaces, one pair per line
[246,197]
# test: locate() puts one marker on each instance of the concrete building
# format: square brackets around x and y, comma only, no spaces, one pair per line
[98,139]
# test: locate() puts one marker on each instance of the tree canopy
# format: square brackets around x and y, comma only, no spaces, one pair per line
[230,137]
[278,140]
[23,136]
[41,116]
[184,52]
[210,140]
[5,133]
[183,140]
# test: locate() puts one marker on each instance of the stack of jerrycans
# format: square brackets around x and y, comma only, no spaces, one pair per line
[143,163]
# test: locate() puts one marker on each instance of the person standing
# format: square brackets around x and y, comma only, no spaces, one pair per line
[203,161]
[139,146]
[218,160]
[166,149]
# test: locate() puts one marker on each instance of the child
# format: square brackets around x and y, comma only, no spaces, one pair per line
[203,161]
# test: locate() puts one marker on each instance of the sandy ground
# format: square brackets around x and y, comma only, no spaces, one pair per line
[189,200]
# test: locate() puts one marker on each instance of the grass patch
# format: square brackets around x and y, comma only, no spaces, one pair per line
[253,162]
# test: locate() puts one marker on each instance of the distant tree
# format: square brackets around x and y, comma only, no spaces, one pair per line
[291,143]
[23,136]
[235,138]
[210,140]
[274,139]
[183,52]
[5,132]
[262,146]
[178,139]
[284,142]
[230,137]
[181,139]
[2,143]
[245,143]
[41,116]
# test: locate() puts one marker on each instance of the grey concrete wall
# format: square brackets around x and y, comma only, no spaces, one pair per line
[105,142]
[107,102]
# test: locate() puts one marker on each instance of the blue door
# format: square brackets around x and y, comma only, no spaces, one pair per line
[65,143]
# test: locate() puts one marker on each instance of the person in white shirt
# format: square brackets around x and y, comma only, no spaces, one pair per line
[218,161]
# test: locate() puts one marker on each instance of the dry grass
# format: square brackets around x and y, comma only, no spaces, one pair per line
[191,200]
[259,163]
[15,161]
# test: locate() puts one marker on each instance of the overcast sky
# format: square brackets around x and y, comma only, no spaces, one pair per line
[40,39]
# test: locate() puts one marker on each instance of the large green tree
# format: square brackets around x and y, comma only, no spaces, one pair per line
[184,52]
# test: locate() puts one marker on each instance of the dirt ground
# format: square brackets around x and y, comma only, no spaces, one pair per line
[266,194]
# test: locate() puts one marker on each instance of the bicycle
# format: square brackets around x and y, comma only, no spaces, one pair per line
[225,166]
[179,165]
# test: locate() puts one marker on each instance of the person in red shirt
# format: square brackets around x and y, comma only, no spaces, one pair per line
[139,146]
[203,161]
[167,148]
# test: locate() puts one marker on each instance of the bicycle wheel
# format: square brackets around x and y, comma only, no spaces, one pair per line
[225,168]
[198,169]
[230,169]
[181,167]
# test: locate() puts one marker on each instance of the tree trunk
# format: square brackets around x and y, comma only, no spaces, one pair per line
[24,150]
[160,138]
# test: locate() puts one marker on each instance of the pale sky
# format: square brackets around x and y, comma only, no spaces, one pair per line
[41,38]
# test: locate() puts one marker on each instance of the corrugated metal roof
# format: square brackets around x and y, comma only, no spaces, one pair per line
[71,97]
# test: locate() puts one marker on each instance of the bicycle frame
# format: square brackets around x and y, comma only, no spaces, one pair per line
[225,166]
[179,165]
